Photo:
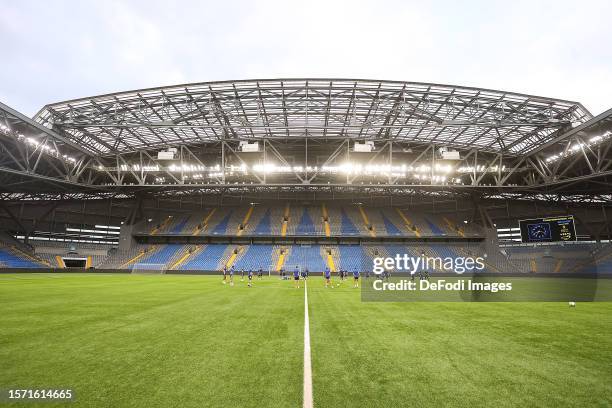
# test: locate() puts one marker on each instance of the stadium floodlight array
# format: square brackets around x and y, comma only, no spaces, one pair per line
[438,173]
[579,146]
[36,144]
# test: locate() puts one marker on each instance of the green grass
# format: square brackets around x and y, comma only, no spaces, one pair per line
[187,341]
[153,341]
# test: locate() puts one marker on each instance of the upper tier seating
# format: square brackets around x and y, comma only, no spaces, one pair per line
[310,220]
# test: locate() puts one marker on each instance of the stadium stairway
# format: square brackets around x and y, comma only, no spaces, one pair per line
[264,225]
[366,221]
[202,226]
[142,253]
[279,255]
[331,255]
[305,225]
[347,226]
[245,221]
[161,258]
[325,219]
[254,257]
[390,227]
[409,225]
[207,258]
[453,228]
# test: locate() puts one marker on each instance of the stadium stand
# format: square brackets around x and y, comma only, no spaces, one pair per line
[11,257]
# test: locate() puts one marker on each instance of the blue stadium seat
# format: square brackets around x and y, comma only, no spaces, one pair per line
[162,256]
[346,225]
[305,257]
[305,226]
[207,260]
[9,259]
[434,228]
[255,257]
[353,257]
[263,228]
[391,227]
[221,227]
[178,228]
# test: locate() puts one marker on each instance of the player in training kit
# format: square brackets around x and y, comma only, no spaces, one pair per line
[225,274]
[355,278]
[241,274]
[231,278]
[327,276]
[250,276]
[296,276]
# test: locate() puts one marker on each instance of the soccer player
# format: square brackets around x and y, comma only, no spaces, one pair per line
[260,273]
[355,278]
[306,273]
[296,276]
[225,274]
[327,276]
[231,278]
[241,274]
[250,276]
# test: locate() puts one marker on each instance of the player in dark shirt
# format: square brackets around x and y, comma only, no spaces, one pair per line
[327,276]
[355,278]
[296,277]
[250,276]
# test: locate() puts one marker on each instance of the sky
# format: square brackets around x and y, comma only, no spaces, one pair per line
[59,50]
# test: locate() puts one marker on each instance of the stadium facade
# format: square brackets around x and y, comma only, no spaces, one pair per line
[312,172]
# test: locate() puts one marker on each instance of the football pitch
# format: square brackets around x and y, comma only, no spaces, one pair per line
[189,341]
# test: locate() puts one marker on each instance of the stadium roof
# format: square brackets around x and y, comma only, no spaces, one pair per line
[419,113]
[426,139]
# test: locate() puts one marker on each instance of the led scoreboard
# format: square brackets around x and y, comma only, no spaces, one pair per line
[551,229]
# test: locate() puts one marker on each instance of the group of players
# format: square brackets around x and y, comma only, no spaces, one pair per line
[228,275]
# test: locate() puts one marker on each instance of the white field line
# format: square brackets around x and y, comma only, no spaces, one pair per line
[307,361]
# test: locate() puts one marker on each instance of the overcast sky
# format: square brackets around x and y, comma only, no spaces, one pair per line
[55,50]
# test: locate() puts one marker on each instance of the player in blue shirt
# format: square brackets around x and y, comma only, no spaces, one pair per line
[225,274]
[327,276]
[355,278]
[296,276]
[250,276]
